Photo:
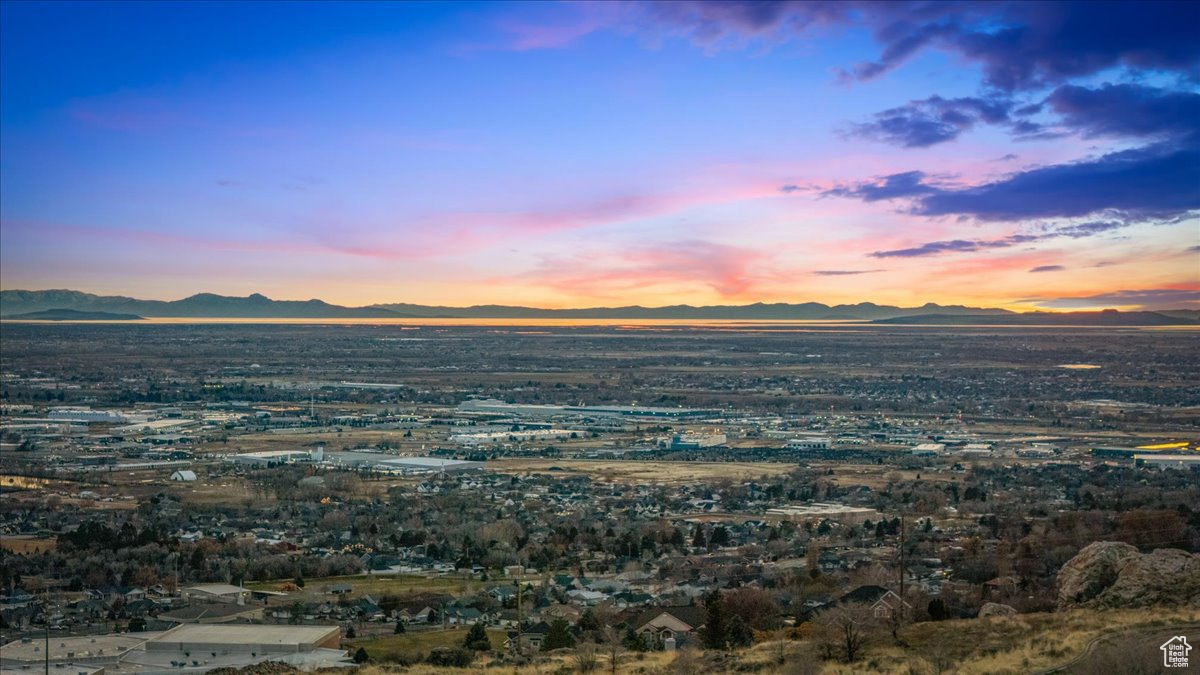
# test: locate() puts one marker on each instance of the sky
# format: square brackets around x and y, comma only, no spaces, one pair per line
[1022,155]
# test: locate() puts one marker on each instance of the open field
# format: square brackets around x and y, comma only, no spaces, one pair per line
[416,644]
[1029,643]
[643,471]
[21,544]
[1020,644]
[375,585]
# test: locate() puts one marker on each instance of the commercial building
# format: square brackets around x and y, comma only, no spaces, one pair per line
[494,407]
[697,441]
[489,437]
[818,511]
[85,415]
[810,442]
[188,648]
[356,460]
[1168,461]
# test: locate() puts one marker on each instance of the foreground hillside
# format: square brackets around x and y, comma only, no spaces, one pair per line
[1075,641]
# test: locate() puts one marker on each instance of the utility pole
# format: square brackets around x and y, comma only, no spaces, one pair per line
[520,627]
[46,621]
[901,608]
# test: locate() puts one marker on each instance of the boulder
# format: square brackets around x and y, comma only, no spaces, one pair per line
[1114,574]
[996,609]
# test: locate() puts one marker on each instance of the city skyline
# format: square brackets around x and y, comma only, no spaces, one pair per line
[1025,156]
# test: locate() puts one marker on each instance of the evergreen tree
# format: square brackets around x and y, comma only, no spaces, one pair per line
[635,642]
[715,633]
[400,629]
[720,536]
[558,636]
[477,639]
[361,656]
[740,634]
[698,539]
[588,621]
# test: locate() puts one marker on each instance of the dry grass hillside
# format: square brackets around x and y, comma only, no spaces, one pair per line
[1077,641]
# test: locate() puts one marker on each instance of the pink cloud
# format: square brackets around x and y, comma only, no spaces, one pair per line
[730,271]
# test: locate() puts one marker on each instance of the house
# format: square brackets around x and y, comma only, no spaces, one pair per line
[340,589]
[368,609]
[529,639]
[184,475]
[661,623]
[463,616]
[1175,652]
[999,586]
[502,594]
[568,613]
[123,594]
[408,615]
[882,602]
[587,598]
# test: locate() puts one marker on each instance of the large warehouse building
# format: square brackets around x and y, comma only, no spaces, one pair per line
[188,648]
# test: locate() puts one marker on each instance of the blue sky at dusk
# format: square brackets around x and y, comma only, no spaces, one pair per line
[1025,155]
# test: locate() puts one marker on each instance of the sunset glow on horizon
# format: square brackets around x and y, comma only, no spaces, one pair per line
[1031,156]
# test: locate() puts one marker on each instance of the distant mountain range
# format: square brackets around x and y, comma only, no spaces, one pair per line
[201,305]
[74,315]
[14,303]
[1108,317]
[757,311]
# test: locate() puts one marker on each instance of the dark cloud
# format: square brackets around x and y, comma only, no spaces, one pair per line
[1029,45]
[1143,183]
[843,273]
[934,120]
[1126,110]
[1193,249]
[957,246]
[1081,230]
[895,186]
[1032,44]
[1153,182]
[1019,45]
[1113,110]
[1149,299]
[1073,231]
[1048,268]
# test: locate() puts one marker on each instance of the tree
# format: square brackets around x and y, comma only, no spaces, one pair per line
[720,536]
[635,642]
[740,634]
[755,606]
[698,539]
[715,632]
[938,610]
[400,629]
[845,630]
[350,634]
[477,639]
[361,656]
[558,636]
[137,624]
[588,620]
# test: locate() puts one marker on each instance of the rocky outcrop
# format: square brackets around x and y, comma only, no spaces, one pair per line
[996,609]
[1113,574]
